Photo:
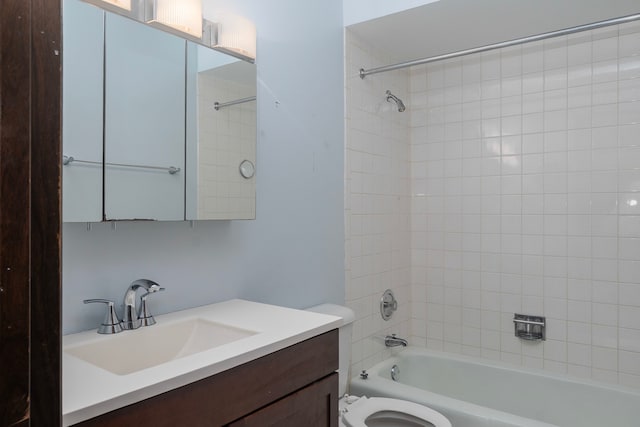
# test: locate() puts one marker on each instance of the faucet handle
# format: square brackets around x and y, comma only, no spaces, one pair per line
[145,317]
[111,322]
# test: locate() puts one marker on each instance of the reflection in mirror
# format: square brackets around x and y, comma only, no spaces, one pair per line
[221,161]
[144,122]
[82,62]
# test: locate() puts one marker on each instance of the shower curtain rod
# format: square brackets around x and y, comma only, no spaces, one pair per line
[219,105]
[543,36]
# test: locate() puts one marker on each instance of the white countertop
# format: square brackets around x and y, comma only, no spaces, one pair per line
[88,391]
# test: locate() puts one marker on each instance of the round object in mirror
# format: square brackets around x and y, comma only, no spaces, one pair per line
[247,169]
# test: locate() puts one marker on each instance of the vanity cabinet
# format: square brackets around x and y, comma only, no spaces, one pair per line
[296,386]
[310,406]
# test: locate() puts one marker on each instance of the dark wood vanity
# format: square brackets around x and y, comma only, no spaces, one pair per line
[295,386]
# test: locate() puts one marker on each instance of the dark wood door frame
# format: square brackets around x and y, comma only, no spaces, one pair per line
[30,219]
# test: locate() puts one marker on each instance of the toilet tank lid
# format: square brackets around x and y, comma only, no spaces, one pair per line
[347,315]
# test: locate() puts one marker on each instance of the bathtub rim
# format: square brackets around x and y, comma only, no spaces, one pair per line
[379,378]
[450,407]
[498,364]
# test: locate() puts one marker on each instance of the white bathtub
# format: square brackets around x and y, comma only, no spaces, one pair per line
[474,393]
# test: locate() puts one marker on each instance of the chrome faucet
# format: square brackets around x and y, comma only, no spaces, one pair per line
[133,317]
[393,341]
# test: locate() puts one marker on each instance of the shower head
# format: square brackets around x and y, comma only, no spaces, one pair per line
[397,100]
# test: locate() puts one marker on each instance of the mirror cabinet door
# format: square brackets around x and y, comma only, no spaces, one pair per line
[83,35]
[144,122]
[221,153]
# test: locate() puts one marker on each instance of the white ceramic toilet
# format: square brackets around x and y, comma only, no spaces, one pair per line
[373,411]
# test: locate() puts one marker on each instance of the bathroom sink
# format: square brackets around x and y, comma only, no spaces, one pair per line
[143,348]
[105,372]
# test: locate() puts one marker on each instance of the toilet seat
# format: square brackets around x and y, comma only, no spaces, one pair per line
[359,411]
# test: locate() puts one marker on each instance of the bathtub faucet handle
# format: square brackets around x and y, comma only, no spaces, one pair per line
[388,304]
[364,375]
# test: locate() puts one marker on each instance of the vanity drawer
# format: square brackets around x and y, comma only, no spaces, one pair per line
[313,406]
[237,392]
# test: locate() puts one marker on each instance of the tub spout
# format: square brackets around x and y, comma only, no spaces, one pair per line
[393,341]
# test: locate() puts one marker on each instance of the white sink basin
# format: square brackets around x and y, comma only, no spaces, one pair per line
[132,351]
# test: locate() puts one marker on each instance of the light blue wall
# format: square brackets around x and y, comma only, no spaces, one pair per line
[293,253]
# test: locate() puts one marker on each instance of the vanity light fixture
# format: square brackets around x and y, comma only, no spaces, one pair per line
[233,35]
[176,16]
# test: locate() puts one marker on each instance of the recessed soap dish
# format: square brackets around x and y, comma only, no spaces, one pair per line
[530,328]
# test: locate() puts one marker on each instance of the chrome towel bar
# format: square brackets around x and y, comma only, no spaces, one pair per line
[67,160]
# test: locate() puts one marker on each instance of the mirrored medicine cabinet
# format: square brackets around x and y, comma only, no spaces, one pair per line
[154,127]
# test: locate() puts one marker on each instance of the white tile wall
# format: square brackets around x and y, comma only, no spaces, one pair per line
[525,191]
[377,203]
